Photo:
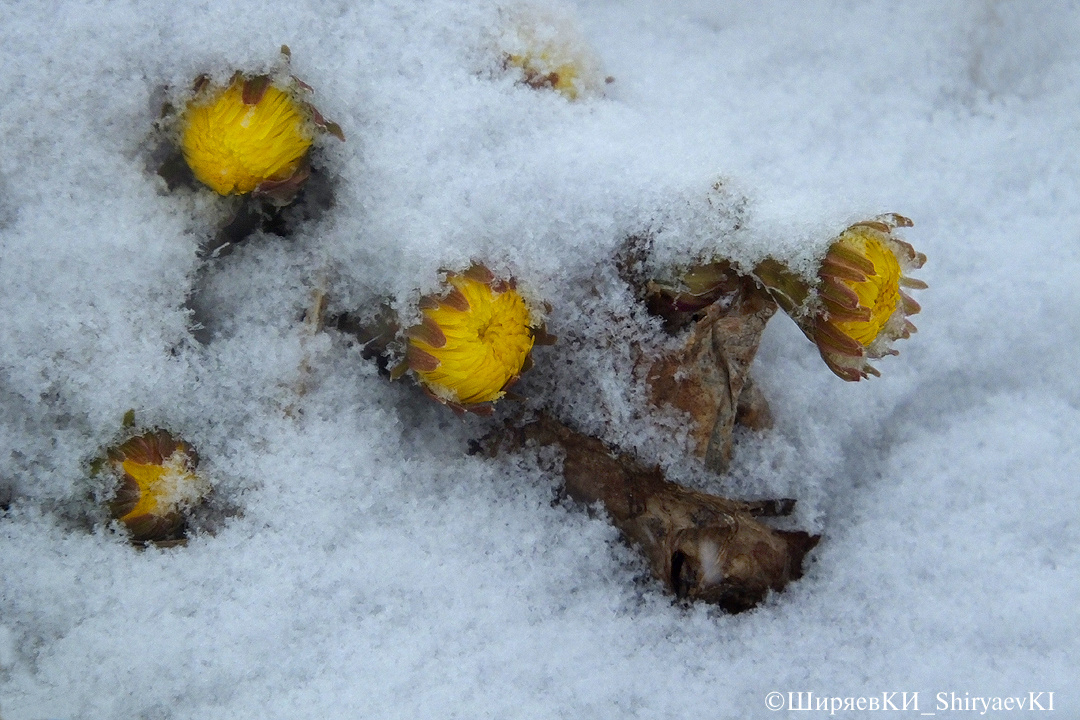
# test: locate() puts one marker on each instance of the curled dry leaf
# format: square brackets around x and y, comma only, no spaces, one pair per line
[700,546]
[708,377]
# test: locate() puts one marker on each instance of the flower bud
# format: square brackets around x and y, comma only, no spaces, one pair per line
[550,53]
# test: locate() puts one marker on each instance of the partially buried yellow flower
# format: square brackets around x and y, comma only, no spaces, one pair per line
[864,306]
[551,53]
[473,342]
[252,135]
[156,485]
[545,70]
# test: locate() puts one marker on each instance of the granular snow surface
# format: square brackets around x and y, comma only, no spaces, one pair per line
[355,561]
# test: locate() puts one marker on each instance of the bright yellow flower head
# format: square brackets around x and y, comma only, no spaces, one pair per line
[473,342]
[157,483]
[239,137]
[863,305]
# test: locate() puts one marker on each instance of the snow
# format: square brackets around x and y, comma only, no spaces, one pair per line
[354,560]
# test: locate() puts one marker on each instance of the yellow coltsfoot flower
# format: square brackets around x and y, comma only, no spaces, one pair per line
[474,341]
[864,308]
[252,135]
[858,308]
[156,485]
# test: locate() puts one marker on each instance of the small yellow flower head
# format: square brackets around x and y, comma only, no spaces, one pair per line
[550,53]
[864,308]
[252,135]
[156,484]
[473,342]
[236,138]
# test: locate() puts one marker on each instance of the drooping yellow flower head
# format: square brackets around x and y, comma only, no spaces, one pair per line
[858,307]
[863,305]
[156,483]
[251,132]
[473,341]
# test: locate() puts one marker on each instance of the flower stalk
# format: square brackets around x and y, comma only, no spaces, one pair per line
[707,377]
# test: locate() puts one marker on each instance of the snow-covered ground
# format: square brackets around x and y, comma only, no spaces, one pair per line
[357,563]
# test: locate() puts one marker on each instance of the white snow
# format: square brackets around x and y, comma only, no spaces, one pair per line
[355,562]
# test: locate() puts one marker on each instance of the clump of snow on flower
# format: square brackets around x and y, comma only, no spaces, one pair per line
[356,561]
